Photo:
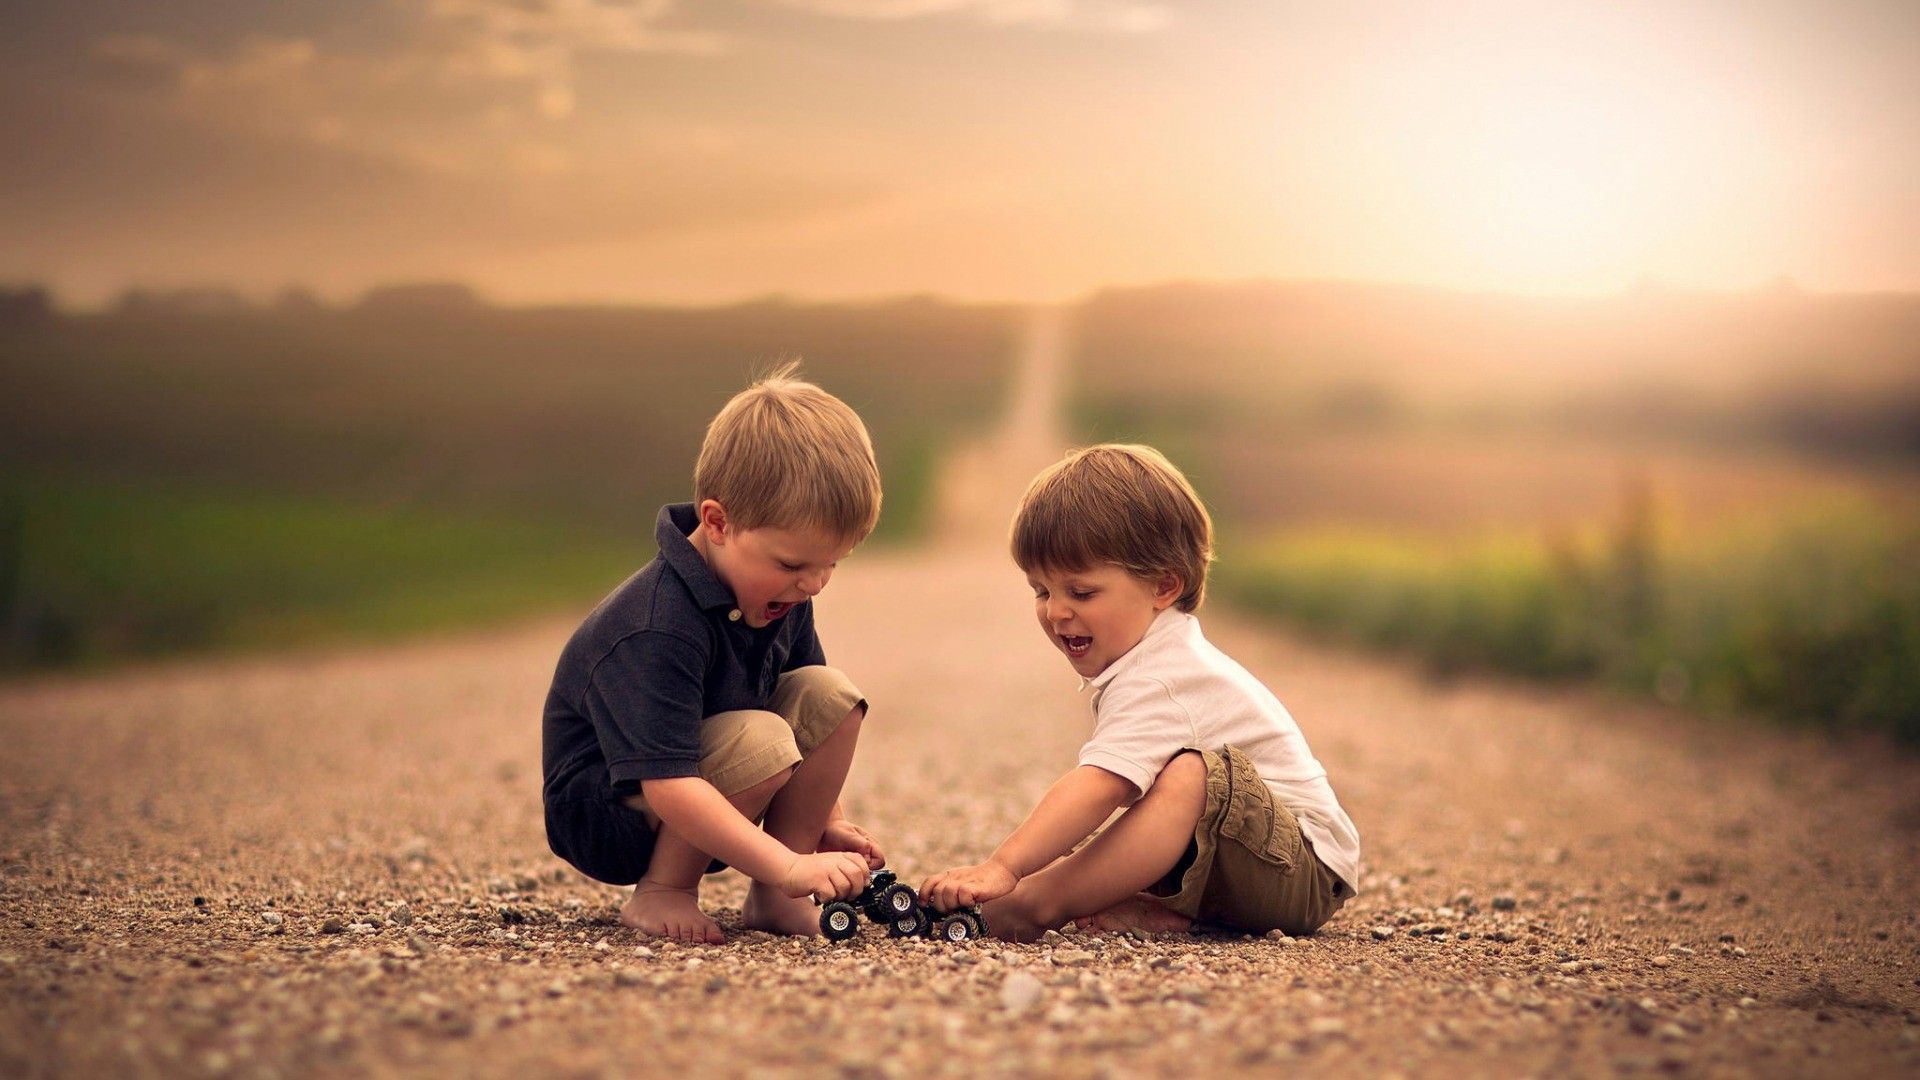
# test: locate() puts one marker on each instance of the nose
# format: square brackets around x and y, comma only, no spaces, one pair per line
[1057,611]
[813,583]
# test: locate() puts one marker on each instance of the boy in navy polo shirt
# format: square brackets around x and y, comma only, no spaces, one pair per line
[695,701]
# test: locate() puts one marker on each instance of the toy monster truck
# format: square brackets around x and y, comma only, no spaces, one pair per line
[964,924]
[886,901]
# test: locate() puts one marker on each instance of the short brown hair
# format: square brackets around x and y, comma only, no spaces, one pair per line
[785,454]
[1121,504]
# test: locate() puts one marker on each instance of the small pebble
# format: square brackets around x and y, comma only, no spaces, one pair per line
[1327,1027]
[1020,992]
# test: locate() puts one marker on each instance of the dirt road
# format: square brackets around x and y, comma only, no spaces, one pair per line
[334,864]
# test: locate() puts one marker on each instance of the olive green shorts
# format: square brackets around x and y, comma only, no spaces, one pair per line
[1248,865]
[742,748]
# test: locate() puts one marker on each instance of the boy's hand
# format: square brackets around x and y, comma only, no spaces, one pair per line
[968,885]
[844,835]
[825,875]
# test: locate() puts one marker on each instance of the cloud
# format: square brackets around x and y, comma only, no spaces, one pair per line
[629,26]
[1111,16]
[537,42]
[472,84]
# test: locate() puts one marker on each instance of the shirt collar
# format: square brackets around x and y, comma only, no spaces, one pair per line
[1162,623]
[675,523]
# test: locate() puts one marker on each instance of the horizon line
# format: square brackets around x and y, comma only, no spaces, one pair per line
[267,300]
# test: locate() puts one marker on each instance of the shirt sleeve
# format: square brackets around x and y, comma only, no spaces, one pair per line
[1138,727]
[806,651]
[645,700]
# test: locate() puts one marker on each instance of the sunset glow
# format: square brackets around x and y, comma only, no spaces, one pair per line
[581,150]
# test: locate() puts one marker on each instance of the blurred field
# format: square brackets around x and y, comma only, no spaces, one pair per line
[1711,499]
[192,472]
[115,571]
[1810,615]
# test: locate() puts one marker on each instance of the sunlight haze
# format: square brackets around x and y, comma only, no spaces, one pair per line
[582,150]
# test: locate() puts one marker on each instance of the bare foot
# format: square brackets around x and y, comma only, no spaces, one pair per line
[1009,920]
[767,909]
[1139,913]
[658,911]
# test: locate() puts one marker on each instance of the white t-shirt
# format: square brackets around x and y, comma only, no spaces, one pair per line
[1175,690]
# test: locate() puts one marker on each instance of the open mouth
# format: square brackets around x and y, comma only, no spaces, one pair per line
[777,609]
[1076,646]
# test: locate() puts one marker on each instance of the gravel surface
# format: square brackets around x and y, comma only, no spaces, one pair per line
[335,864]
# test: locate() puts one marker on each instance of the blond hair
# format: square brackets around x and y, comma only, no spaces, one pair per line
[1121,504]
[785,454]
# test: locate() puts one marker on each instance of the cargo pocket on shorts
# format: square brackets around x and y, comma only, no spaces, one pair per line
[1250,818]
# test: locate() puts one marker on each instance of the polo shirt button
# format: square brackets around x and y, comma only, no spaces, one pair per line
[734,615]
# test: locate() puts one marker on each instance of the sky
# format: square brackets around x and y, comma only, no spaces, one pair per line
[708,150]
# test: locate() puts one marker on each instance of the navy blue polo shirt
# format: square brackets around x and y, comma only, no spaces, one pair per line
[662,652]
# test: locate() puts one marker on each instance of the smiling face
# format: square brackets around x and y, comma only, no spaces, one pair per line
[1098,615]
[769,570]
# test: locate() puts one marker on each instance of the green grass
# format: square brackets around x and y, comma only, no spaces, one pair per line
[92,572]
[427,469]
[1811,616]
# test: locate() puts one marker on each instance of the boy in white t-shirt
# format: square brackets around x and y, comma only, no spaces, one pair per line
[1230,819]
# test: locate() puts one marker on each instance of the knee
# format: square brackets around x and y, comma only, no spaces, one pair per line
[747,750]
[818,679]
[755,729]
[760,792]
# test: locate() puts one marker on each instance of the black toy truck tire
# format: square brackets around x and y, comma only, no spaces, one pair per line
[899,901]
[954,927]
[839,921]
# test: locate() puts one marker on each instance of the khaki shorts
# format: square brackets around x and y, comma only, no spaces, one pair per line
[1249,866]
[742,748]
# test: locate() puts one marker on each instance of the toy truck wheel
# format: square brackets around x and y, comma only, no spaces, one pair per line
[899,901]
[912,924]
[838,921]
[955,927]
[892,902]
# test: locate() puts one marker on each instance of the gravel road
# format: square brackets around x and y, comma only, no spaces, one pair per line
[333,864]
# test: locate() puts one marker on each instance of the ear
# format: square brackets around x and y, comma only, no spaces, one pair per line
[713,519]
[1167,590]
